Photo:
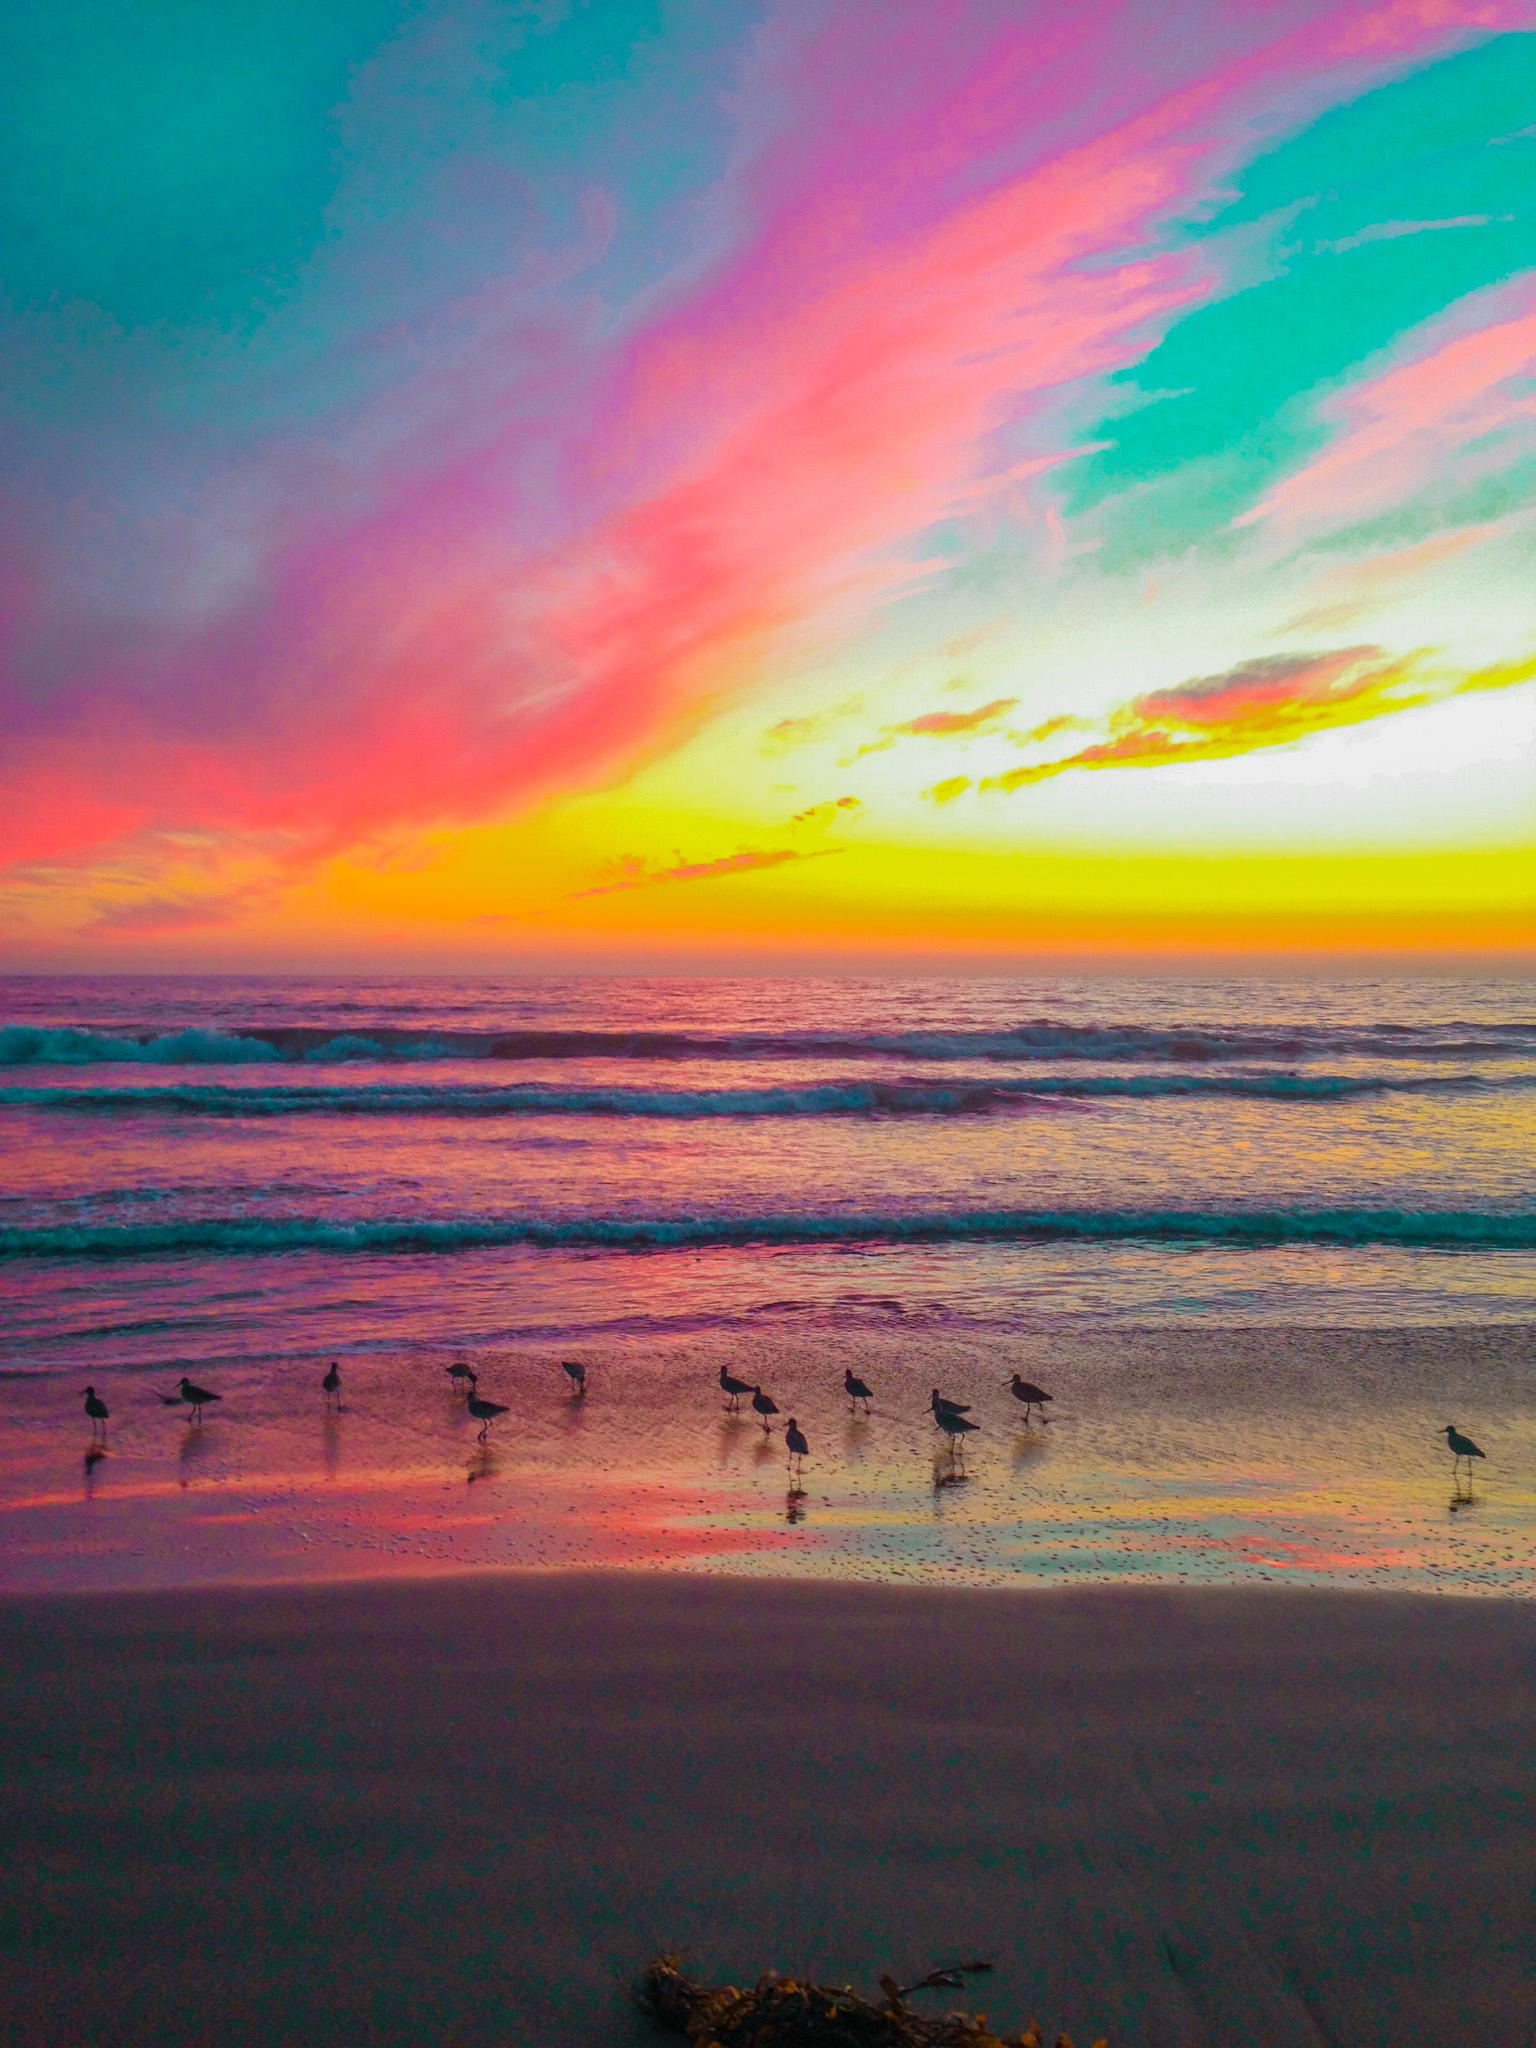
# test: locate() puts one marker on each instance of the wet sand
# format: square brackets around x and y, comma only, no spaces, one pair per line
[464,1810]
[1195,1454]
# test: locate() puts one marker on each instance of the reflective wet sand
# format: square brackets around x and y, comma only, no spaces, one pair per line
[1206,1456]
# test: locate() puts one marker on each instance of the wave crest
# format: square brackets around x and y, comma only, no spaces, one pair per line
[24,1045]
[1443,1229]
[906,1097]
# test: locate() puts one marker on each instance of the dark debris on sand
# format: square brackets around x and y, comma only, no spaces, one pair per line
[779,2012]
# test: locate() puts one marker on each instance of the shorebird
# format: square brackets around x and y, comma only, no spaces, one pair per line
[856,1391]
[459,1374]
[1031,1395]
[332,1385]
[735,1388]
[941,1407]
[96,1408]
[794,1437]
[956,1428]
[764,1405]
[485,1413]
[198,1396]
[577,1374]
[1461,1447]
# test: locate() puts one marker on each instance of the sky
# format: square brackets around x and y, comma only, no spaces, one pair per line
[687,481]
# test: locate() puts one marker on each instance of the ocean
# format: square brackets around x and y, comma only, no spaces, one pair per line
[203,1168]
[1260,1238]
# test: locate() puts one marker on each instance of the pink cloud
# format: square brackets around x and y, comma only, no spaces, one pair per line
[827,813]
[180,912]
[1401,428]
[951,724]
[1356,588]
[942,725]
[1274,700]
[924,258]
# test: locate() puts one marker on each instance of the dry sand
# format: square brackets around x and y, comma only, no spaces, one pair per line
[463,1811]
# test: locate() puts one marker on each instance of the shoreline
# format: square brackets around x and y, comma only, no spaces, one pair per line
[430,1573]
[1189,1455]
[468,1809]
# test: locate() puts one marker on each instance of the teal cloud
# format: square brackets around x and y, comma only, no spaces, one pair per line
[1220,396]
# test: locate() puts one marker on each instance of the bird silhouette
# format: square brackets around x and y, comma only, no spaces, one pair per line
[463,1376]
[485,1413]
[941,1406]
[199,1398]
[1461,1447]
[956,1428]
[577,1375]
[1031,1395]
[332,1385]
[856,1391]
[734,1389]
[794,1438]
[764,1405]
[96,1408]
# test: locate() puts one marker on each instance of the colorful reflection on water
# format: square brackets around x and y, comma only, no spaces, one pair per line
[1308,1456]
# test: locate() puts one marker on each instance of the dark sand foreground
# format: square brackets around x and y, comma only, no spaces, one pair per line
[464,1811]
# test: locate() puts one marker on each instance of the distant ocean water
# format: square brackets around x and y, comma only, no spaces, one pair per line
[219,1167]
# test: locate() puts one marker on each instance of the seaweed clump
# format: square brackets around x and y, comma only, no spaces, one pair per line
[781,2012]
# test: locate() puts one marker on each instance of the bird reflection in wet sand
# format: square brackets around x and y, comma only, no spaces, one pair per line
[794,1505]
[947,1473]
[729,1435]
[330,1446]
[573,1413]
[193,1445]
[483,1465]
[1029,1448]
[93,1458]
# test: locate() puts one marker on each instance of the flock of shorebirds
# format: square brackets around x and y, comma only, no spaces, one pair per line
[951,1417]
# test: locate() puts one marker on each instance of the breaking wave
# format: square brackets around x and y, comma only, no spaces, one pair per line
[28,1045]
[1444,1229]
[906,1097]
[25,1045]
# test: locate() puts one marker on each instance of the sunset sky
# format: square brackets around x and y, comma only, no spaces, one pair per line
[621,481]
